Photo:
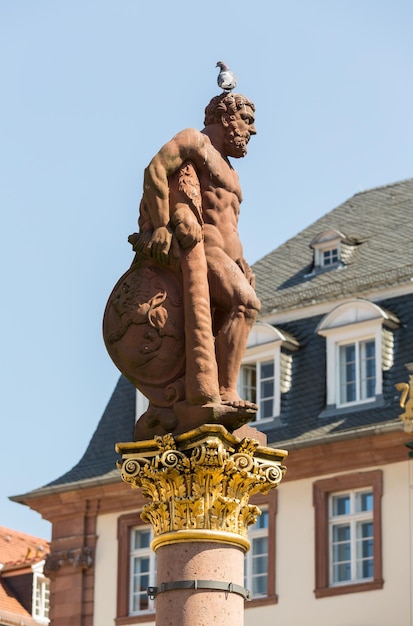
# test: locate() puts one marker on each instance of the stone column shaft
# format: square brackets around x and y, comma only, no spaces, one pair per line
[206,562]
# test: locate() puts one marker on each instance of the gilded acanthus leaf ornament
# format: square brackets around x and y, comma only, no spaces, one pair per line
[406,402]
[201,480]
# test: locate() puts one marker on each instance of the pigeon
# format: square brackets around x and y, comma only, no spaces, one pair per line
[226,79]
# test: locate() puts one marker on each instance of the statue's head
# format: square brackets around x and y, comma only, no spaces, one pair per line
[228,103]
[236,115]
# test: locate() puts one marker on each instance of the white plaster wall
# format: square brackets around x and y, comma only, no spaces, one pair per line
[390,606]
[106,566]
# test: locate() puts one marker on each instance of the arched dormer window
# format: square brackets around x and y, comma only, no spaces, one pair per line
[334,250]
[40,594]
[266,369]
[359,343]
[327,248]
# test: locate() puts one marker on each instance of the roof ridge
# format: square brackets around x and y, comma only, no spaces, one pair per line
[386,186]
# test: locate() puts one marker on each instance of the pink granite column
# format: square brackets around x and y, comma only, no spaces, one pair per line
[199,561]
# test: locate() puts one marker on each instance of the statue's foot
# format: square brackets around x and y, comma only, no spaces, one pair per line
[241,404]
[183,417]
[232,414]
[230,397]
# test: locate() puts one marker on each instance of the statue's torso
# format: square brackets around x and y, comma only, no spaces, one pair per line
[221,198]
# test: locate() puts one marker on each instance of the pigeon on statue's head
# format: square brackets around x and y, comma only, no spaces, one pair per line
[226,79]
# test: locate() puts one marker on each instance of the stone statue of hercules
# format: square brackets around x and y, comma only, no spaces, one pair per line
[189,213]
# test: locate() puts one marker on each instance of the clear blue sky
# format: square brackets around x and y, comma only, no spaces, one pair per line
[90,91]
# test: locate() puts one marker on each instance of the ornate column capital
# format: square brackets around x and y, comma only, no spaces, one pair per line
[199,483]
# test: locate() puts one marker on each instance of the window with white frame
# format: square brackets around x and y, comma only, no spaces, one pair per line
[348,531]
[142,569]
[356,371]
[351,537]
[258,386]
[256,559]
[266,370]
[41,596]
[327,248]
[329,256]
[359,348]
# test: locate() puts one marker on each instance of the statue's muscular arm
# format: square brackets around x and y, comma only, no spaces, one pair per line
[189,144]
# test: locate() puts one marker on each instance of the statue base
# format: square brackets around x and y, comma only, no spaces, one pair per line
[183,417]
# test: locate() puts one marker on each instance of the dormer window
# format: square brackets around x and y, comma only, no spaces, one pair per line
[334,250]
[41,594]
[330,257]
[327,249]
[359,345]
[357,371]
[262,394]
[267,369]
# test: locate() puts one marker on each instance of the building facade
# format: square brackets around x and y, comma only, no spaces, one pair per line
[334,542]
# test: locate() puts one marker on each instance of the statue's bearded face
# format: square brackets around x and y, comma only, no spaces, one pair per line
[238,132]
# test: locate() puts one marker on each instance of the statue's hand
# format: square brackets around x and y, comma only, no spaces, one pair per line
[188,234]
[246,269]
[188,231]
[160,244]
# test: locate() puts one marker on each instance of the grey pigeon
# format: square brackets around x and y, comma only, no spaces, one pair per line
[226,79]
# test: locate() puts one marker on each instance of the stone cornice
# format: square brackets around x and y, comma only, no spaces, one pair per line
[370,450]
[378,444]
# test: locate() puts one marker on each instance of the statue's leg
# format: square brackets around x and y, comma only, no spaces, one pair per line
[236,308]
[230,344]
[201,367]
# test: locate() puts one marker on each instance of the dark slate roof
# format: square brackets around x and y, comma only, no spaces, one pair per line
[302,407]
[382,218]
[116,424]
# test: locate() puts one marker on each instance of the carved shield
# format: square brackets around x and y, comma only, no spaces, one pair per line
[143,329]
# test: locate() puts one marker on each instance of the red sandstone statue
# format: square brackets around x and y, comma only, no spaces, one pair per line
[177,322]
